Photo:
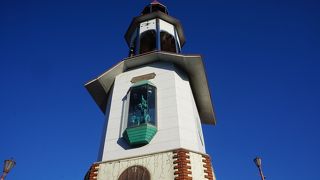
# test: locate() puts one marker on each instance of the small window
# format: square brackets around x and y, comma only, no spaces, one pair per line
[168,42]
[135,173]
[147,41]
[142,105]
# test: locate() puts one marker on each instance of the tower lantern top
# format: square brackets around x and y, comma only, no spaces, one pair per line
[154,30]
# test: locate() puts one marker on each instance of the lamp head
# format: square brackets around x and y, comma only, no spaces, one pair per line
[8,165]
[257,161]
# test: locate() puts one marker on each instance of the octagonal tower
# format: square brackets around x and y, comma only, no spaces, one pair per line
[155,102]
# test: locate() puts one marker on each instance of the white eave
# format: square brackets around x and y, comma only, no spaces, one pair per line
[191,64]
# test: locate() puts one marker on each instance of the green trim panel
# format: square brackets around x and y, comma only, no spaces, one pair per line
[139,135]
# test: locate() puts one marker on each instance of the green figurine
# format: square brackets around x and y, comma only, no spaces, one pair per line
[143,106]
[141,115]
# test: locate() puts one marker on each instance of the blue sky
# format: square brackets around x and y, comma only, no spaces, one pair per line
[262,63]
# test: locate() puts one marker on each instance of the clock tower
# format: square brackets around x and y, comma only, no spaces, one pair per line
[154,101]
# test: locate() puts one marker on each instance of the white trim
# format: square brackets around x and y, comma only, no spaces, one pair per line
[148,25]
[167,27]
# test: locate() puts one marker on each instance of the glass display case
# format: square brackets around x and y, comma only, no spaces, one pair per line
[141,122]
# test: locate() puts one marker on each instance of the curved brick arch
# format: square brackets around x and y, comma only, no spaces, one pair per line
[135,173]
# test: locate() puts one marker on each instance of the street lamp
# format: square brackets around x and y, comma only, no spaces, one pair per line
[8,165]
[257,161]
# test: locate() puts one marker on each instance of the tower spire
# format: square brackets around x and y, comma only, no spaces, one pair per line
[154,30]
[155,2]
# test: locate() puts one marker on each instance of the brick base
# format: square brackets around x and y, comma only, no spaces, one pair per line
[92,173]
[179,164]
[207,167]
[182,165]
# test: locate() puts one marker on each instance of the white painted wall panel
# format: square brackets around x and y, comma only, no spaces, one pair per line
[147,25]
[166,27]
[190,138]
[197,166]
[175,107]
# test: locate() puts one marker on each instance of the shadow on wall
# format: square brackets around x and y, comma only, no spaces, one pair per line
[123,144]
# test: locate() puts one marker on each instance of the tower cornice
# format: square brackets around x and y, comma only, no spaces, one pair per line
[191,64]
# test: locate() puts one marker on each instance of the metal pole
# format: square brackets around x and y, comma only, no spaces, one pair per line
[261,174]
[3,175]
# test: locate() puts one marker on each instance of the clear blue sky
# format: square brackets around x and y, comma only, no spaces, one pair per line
[263,65]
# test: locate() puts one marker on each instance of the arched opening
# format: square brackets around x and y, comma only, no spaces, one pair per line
[168,42]
[135,173]
[147,41]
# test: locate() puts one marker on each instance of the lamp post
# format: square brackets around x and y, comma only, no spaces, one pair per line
[8,165]
[257,161]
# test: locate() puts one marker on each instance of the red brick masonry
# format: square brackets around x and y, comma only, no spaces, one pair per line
[182,165]
[93,172]
[207,167]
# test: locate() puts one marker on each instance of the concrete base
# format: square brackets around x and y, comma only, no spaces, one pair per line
[179,164]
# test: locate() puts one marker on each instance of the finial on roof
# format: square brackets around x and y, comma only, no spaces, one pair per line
[155,2]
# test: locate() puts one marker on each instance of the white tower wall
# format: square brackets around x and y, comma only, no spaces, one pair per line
[178,121]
